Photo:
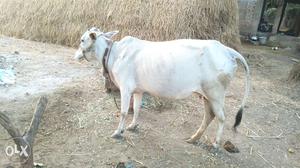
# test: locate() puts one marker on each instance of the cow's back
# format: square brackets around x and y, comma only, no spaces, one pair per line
[173,68]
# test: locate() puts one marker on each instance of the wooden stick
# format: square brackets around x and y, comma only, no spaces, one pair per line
[139,162]
[248,129]
[259,154]
[116,103]
[298,115]
[266,137]
[35,122]
[10,128]
[130,142]
[28,137]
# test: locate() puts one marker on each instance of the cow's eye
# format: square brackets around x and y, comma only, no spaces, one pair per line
[82,41]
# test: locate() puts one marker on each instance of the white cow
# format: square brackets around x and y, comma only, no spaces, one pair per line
[172,69]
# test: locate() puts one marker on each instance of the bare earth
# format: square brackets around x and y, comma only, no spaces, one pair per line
[80,117]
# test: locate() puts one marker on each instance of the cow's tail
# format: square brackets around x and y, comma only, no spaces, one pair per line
[238,56]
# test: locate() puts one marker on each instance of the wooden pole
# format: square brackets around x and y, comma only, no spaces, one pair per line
[28,138]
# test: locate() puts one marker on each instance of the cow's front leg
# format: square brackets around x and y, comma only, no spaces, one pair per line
[137,102]
[125,101]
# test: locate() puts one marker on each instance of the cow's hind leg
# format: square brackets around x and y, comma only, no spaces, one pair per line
[137,97]
[208,117]
[125,101]
[216,98]
[219,113]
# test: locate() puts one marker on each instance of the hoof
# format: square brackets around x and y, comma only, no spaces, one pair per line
[191,140]
[117,135]
[132,127]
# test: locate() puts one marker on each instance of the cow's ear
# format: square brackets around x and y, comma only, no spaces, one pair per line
[93,36]
[111,34]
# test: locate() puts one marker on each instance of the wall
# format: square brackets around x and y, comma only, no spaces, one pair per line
[249,15]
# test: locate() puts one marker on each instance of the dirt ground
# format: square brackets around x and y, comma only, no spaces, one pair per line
[80,117]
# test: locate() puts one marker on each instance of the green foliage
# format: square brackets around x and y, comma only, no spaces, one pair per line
[293,10]
[271,14]
[273,3]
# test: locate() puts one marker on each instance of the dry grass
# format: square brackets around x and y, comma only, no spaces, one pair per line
[63,22]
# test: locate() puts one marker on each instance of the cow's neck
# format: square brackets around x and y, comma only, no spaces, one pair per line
[101,46]
[112,56]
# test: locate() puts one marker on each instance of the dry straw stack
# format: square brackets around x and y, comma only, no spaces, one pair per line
[63,21]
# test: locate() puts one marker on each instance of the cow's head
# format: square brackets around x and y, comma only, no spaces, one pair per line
[88,40]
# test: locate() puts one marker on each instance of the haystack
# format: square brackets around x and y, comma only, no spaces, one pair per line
[63,22]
